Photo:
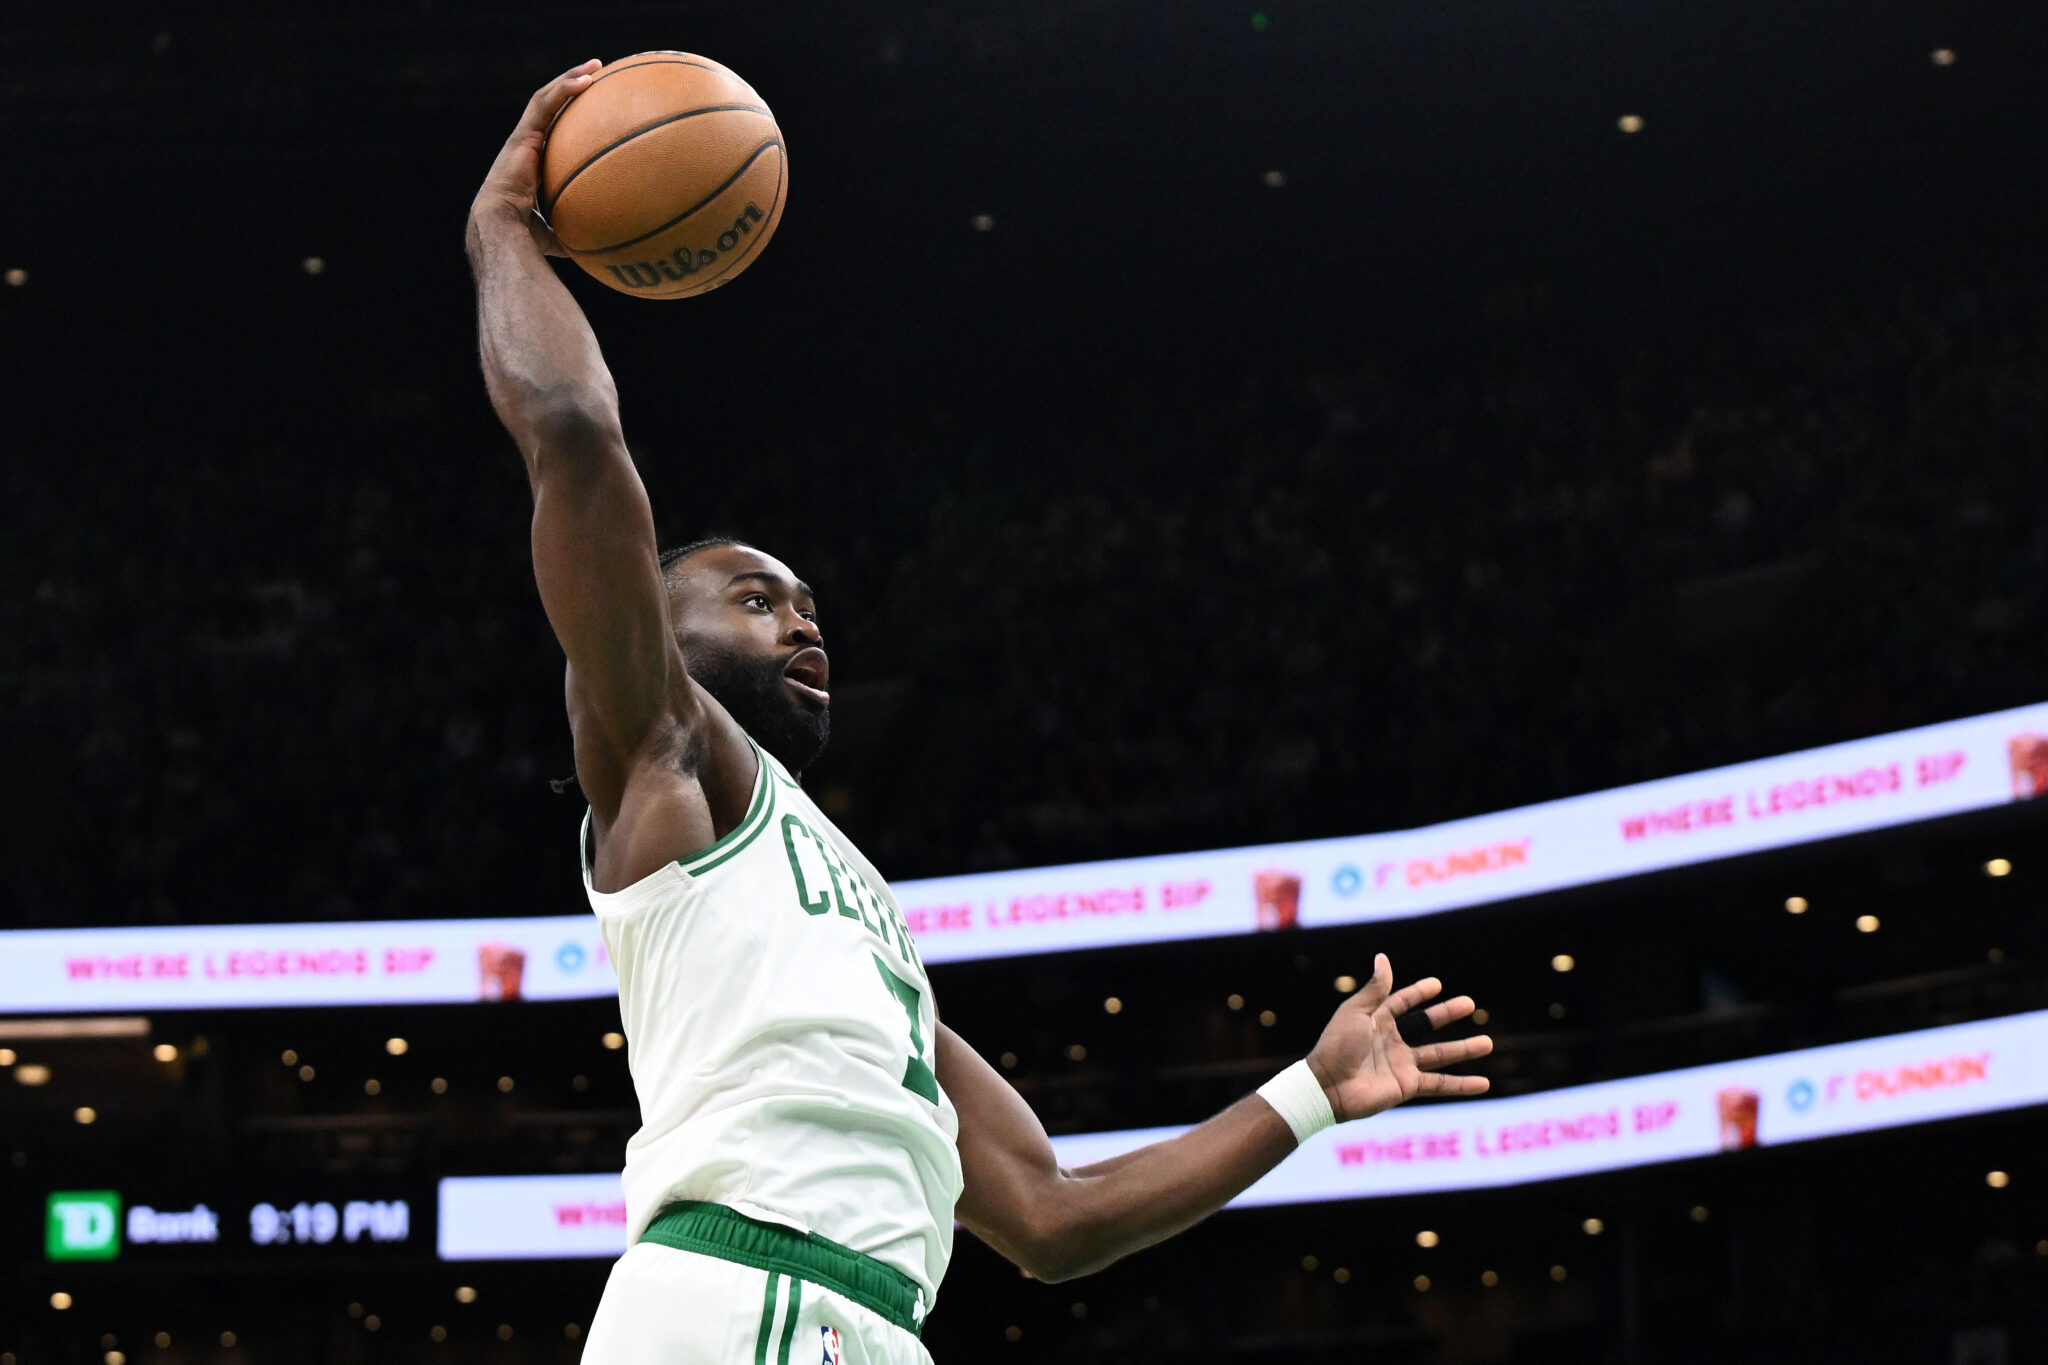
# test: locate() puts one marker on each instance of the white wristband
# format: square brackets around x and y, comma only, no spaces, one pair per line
[1298,1097]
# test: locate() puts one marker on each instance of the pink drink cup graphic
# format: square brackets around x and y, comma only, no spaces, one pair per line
[500,967]
[1279,898]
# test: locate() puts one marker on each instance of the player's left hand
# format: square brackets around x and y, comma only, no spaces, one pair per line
[1365,1066]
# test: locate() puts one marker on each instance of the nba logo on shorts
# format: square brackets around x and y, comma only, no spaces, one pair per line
[830,1336]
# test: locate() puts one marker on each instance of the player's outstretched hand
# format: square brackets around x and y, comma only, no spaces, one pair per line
[514,179]
[1365,1066]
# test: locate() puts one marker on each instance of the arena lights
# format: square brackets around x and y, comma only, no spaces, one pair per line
[614,1041]
[1009,1060]
[1866,924]
[504,1085]
[1267,1018]
[1422,1284]
[306,1072]
[122,1026]
[1998,867]
[163,1341]
[1557,1274]
[164,1052]
[228,1340]
[1077,1053]
[1942,56]
[1113,1005]
[1563,962]
[983,222]
[396,1046]
[16,278]
[1275,179]
[114,1358]
[1426,1239]
[1480,1016]
[1630,123]
[1997,1180]
[288,1057]
[439,1085]
[1593,1227]
[1489,1278]
[1234,1001]
[1309,1264]
[465,1294]
[1346,984]
[572,1330]
[1699,1213]
[60,1301]
[373,1086]
[1341,1275]
[85,1114]
[314,265]
[504,1331]
[1795,905]
[6,1056]
[437,1333]
[32,1073]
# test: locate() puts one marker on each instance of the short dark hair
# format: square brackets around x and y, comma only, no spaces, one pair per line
[671,558]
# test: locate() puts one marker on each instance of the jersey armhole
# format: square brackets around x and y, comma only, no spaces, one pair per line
[760,813]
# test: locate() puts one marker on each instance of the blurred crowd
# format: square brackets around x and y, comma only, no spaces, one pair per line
[250,681]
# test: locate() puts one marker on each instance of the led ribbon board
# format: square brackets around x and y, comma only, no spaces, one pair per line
[1871,784]
[1820,1092]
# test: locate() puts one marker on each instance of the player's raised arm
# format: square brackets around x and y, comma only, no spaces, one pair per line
[1057,1224]
[594,551]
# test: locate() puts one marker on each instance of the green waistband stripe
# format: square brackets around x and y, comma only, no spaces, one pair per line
[715,1230]
[767,1321]
[796,1296]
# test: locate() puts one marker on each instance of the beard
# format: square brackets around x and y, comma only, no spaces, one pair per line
[751,690]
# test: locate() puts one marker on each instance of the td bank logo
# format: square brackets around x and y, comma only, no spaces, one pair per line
[83,1225]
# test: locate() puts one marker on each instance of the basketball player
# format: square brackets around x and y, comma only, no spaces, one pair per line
[810,1130]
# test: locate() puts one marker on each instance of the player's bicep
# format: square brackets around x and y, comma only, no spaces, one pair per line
[1011,1197]
[599,572]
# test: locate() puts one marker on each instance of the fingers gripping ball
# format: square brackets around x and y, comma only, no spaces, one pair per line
[665,177]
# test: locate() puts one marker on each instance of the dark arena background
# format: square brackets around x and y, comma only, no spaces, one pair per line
[1207,425]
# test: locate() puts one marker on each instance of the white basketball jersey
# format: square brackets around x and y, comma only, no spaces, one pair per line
[782,1037]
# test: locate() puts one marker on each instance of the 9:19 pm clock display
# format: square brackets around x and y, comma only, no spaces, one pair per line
[320,1222]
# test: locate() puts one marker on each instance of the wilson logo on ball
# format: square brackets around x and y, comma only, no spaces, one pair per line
[686,260]
[644,176]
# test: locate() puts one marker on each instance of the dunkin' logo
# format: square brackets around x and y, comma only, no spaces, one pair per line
[687,260]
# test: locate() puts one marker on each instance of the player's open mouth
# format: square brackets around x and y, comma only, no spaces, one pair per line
[809,674]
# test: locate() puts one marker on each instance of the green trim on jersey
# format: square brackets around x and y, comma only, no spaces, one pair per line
[742,834]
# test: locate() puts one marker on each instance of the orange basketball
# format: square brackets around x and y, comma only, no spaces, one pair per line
[665,177]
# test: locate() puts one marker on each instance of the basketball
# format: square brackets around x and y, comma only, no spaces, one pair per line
[665,177]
